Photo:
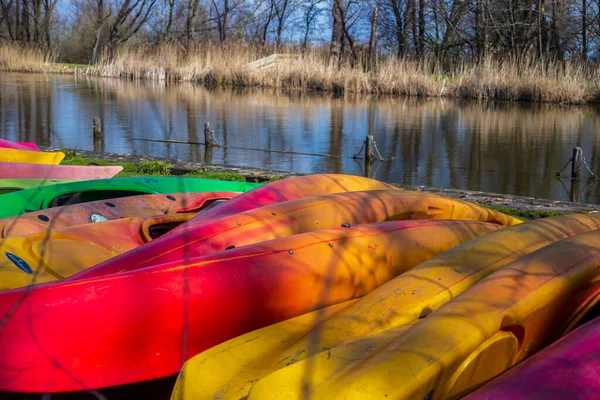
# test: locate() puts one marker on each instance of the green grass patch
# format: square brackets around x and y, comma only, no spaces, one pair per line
[224,176]
[523,215]
[129,170]
[153,168]
[72,159]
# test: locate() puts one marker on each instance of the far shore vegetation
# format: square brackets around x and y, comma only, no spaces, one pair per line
[509,79]
[513,50]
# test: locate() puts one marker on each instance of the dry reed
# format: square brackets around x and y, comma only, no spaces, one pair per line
[523,80]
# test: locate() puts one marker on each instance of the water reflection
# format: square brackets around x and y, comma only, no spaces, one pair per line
[496,147]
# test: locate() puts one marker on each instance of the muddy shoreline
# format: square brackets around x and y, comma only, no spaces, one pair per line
[179,167]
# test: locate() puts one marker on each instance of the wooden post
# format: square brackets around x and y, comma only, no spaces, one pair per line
[370,148]
[208,153]
[369,169]
[576,162]
[208,135]
[98,136]
[369,155]
[575,190]
[97,128]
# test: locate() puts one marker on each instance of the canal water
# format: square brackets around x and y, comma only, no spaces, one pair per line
[493,147]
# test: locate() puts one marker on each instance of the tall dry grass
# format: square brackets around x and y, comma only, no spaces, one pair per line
[506,79]
[24,59]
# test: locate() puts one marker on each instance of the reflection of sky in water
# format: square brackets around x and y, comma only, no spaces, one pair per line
[496,147]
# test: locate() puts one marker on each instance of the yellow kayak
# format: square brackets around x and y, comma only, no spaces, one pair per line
[31,157]
[493,325]
[230,369]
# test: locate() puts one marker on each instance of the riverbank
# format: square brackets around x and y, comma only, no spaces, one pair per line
[522,207]
[212,66]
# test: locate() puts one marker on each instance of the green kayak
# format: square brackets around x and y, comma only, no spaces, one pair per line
[39,198]
[13,185]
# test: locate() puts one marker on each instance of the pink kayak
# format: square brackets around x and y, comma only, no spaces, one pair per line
[46,171]
[568,369]
[18,145]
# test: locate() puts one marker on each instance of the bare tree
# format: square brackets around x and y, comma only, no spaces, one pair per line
[115,21]
[190,22]
[311,10]
[337,31]
[283,9]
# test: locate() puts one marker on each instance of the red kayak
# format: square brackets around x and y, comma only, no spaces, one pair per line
[18,145]
[125,328]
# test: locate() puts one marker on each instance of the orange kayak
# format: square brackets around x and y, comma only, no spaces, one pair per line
[199,236]
[146,205]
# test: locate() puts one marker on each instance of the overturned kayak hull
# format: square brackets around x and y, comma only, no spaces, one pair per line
[230,369]
[212,299]
[464,344]
[45,257]
[8,155]
[13,185]
[293,217]
[51,254]
[568,369]
[19,145]
[16,170]
[41,198]
[147,205]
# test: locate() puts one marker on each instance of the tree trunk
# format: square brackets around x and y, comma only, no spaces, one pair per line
[407,27]
[399,28]
[457,12]
[26,35]
[371,64]
[422,27]
[6,18]
[413,21]
[336,32]
[47,21]
[479,29]
[36,21]
[190,23]
[584,29]
[267,23]
[554,34]
[224,21]
[281,18]
[18,35]
[169,19]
